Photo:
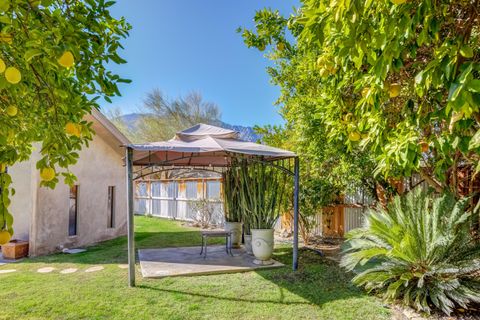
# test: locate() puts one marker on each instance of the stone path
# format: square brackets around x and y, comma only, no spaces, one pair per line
[94,269]
[69,270]
[7,271]
[45,270]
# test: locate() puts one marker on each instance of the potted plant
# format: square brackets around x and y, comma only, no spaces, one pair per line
[262,197]
[247,233]
[231,206]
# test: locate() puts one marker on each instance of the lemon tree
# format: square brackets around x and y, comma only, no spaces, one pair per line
[399,79]
[54,57]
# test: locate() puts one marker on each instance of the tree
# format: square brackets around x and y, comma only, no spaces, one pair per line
[399,79]
[53,69]
[164,117]
[327,170]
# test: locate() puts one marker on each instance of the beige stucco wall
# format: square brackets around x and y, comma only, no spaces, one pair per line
[23,204]
[99,166]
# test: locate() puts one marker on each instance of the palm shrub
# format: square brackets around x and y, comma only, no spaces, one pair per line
[420,249]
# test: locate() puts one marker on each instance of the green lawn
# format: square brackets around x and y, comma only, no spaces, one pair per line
[319,290]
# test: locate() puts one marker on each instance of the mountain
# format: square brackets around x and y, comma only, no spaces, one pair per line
[246,133]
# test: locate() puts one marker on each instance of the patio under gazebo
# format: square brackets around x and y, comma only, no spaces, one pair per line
[201,147]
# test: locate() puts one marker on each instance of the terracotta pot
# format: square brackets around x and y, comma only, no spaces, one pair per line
[236,229]
[262,245]
[15,249]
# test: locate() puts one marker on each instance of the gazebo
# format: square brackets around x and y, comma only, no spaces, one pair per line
[202,147]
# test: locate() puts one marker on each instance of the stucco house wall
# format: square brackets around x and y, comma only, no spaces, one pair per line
[41,215]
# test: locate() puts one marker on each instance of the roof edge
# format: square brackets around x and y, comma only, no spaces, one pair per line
[107,124]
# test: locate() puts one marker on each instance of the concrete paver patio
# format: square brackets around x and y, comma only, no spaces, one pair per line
[184,261]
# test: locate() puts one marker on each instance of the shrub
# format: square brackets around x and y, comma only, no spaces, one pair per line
[421,249]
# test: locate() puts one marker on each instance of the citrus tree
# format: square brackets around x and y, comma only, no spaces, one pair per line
[397,78]
[53,69]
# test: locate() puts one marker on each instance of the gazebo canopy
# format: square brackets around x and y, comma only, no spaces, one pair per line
[202,145]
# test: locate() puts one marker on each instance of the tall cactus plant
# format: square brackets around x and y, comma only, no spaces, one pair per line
[254,193]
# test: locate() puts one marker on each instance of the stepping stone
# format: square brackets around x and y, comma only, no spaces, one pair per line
[69,270]
[123,266]
[7,271]
[45,270]
[94,269]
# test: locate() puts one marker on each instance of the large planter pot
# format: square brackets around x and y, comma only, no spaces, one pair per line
[262,246]
[248,243]
[236,229]
[15,249]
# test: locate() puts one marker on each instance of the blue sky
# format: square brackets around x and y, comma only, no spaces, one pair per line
[180,46]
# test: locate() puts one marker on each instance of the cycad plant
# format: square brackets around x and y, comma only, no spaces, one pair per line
[421,249]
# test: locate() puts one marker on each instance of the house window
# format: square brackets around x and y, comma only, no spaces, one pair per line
[73,211]
[111,207]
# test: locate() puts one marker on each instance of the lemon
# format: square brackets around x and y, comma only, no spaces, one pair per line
[365,91]
[66,60]
[47,174]
[3,167]
[397,2]
[5,37]
[13,75]
[73,129]
[5,237]
[2,65]
[11,110]
[280,46]
[261,47]
[394,90]
[354,136]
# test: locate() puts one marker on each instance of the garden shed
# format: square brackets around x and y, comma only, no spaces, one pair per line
[208,148]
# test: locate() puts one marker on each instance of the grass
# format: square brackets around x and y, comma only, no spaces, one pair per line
[319,290]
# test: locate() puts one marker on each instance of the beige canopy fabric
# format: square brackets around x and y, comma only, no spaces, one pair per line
[202,145]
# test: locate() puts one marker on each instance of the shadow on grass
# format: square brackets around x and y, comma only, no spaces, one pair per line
[317,279]
[218,297]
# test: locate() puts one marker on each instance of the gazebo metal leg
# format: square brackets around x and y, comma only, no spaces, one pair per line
[295,213]
[201,251]
[130,220]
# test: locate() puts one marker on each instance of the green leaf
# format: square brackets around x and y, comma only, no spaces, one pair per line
[475,142]
[474,85]
[31,53]
[466,51]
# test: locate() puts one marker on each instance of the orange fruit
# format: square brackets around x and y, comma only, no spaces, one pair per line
[73,129]
[280,46]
